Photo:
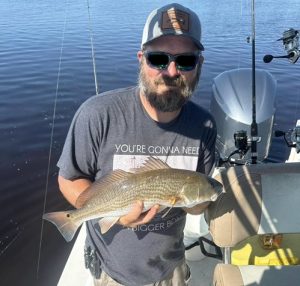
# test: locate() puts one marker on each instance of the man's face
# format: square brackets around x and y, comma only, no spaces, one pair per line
[168,89]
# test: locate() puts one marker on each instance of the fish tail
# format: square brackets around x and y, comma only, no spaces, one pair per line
[65,224]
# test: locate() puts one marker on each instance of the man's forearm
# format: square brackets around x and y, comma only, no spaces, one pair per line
[71,190]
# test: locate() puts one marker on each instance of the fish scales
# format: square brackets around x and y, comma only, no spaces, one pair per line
[115,194]
[155,186]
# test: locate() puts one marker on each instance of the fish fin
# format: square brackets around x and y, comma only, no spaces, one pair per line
[64,223]
[173,201]
[151,163]
[161,208]
[101,184]
[166,213]
[106,223]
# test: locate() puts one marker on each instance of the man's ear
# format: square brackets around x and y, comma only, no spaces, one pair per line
[201,60]
[139,55]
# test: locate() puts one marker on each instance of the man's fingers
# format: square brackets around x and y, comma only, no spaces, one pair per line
[149,215]
[133,215]
[136,217]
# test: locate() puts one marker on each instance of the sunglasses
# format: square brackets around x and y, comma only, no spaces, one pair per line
[161,60]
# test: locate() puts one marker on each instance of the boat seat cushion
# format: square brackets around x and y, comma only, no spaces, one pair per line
[258,199]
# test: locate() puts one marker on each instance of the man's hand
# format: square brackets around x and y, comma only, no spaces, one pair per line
[136,216]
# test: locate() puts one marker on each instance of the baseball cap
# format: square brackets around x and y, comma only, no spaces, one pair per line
[172,19]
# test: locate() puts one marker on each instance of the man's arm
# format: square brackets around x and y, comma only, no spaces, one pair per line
[72,189]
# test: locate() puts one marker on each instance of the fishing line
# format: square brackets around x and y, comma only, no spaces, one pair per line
[92,47]
[51,136]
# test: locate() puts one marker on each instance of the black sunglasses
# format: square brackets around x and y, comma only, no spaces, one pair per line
[161,60]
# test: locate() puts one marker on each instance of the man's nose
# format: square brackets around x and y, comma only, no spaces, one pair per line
[172,69]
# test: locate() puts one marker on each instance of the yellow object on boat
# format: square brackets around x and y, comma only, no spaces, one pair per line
[282,249]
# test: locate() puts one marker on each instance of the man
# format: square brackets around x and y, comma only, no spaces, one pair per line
[120,129]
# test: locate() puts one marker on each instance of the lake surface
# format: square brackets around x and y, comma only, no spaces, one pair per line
[46,72]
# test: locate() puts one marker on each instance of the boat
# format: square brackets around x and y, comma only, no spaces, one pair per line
[253,230]
[251,249]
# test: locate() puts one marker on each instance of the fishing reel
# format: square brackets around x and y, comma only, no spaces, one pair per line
[290,40]
[242,144]
[291,137]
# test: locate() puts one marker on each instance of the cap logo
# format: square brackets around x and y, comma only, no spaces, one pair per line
[175,20]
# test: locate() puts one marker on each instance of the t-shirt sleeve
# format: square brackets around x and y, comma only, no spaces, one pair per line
[79,155]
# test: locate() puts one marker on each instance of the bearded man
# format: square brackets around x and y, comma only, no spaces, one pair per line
[119,129]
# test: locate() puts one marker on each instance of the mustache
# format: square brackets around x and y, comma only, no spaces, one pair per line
[171,81]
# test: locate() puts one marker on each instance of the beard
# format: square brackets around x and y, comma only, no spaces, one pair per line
[171,99]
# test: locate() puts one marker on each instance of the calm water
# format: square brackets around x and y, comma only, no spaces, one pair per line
[39,36]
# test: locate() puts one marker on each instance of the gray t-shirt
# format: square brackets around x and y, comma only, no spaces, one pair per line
[113,131]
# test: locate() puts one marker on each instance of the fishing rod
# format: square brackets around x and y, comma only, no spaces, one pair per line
[242,142]
[92,47]
[290,40]
[254,128]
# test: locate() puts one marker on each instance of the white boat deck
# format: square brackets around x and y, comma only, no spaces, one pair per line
[202,271]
